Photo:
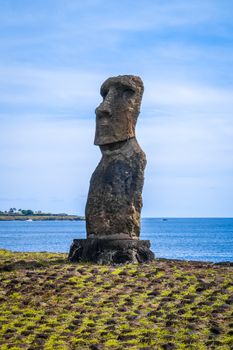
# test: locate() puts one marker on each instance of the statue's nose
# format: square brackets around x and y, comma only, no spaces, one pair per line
[104,109]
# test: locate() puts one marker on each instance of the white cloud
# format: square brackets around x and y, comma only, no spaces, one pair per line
[48,160]
[55,58]
[190,167]
[79,90]
[183,94]
[50,88]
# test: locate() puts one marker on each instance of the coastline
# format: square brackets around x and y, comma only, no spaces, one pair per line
[40,217]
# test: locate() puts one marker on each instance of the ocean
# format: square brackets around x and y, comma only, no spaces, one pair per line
[204,239]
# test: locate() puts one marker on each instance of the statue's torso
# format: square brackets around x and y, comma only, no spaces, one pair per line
[114,201]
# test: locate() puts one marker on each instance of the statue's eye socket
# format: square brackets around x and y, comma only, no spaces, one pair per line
[128,93]
[104,93]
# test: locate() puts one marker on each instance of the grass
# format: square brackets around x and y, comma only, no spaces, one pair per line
[48,303]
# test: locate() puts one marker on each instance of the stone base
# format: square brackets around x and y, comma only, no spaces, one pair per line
[110,251]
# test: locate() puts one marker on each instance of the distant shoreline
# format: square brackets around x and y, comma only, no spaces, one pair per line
[39,217]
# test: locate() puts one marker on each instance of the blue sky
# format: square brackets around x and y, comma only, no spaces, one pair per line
[54,56]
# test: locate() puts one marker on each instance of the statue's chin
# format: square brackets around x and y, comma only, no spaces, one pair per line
[102,139]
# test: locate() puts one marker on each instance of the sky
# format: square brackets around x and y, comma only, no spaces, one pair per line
[54,56]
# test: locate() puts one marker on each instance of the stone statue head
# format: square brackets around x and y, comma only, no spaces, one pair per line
[117,114]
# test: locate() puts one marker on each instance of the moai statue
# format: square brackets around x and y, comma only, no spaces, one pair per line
[115,195]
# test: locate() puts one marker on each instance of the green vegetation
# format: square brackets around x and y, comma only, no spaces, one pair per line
[14,211]
[48,303]
[36,217]
[28,214]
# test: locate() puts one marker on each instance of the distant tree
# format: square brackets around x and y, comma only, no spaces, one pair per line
[12,211]
[27,212]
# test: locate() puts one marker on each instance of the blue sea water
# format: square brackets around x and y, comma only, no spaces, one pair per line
[191,239]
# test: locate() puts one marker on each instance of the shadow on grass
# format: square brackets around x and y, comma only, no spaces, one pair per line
[31,264]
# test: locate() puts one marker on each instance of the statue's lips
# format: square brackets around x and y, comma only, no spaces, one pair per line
[103,123]
[103,133]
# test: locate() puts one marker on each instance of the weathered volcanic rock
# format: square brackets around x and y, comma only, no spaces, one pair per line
[110,251]
[114,201]
[117,114]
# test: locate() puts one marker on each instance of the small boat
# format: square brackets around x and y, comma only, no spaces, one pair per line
[29,220]
[164,219]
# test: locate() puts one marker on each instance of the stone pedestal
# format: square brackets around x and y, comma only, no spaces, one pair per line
[110,251]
